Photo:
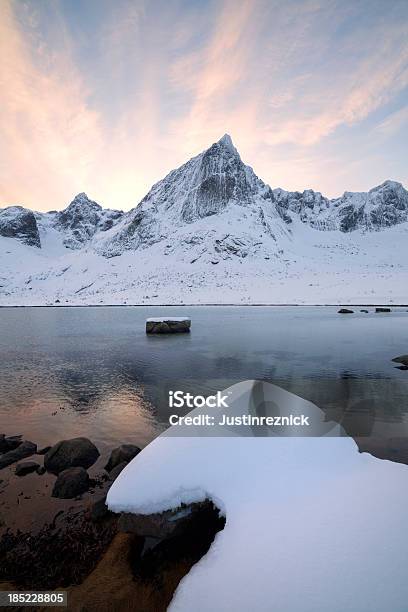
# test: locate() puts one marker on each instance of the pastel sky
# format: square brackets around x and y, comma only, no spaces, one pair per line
[107,96]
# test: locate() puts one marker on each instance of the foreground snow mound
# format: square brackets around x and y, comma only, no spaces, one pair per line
[311,524]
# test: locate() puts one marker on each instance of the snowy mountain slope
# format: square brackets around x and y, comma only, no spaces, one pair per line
[313,267]
[211,232]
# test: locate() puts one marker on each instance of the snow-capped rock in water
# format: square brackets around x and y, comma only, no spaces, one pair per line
[82,219]
[211,232]
[18,222]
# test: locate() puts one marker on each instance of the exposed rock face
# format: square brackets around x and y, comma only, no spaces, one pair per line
[77,452]
[164,524]
[309,205]
[381,207]
[70,483]
[122,454]
[82,219]
[345,311]
[25,449]
[18,222]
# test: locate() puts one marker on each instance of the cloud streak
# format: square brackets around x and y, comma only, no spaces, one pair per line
[110,100]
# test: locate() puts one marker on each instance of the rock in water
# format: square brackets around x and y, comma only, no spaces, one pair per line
[25,449]
[165,325]
[9,443]
[70,483]
[345,311]
[383,310]
[122,454]
[26,467]
[401,359]
[77,452]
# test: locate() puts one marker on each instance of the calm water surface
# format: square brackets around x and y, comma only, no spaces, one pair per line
[67,372]
[94,372]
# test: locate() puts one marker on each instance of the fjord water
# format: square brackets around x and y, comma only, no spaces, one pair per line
[66,372]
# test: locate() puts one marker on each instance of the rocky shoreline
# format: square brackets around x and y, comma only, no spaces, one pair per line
[75,550]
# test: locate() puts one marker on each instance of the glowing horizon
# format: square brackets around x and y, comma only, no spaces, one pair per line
[108,97]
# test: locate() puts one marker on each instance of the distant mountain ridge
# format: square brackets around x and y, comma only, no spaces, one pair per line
[204,186]
[211,231]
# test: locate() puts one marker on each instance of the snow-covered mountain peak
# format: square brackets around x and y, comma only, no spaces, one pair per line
[388,186]
[226,141]
[82,219]
[215,187]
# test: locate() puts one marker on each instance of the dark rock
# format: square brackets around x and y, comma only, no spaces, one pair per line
[364,311]
[113,474]
[167,326]
[99,509]
[26,467]
[70,483]
[77,452]
[41,470]
[401,359]
[123,453]
[44,450]
[25,449]
[163,524]
[345,311]
[383,310]
[402,367]
[9,443]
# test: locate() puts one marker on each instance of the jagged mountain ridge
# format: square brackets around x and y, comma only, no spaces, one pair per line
[210,232]
[206,186]
[82,219]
